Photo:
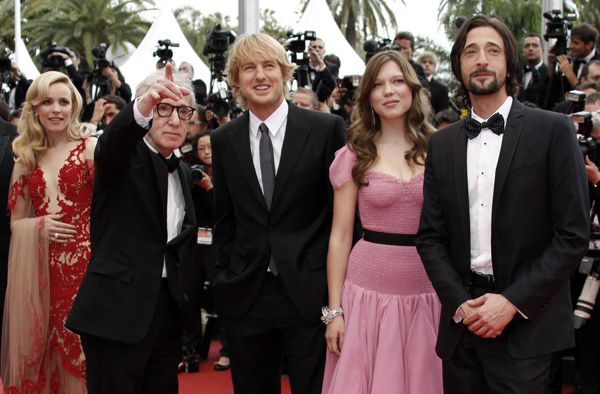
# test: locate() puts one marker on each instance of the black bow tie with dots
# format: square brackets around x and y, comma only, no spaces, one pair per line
[494,123]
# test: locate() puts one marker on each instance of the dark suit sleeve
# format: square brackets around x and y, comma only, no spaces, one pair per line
[116,144]
[433,242]
[534,286]
[337,139]
[224,215]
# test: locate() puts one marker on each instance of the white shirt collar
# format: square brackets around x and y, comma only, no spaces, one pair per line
[273,122]
[429,78]
[504,110]
[590,56]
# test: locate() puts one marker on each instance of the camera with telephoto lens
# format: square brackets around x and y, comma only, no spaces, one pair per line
[54,62]
[164,52]
[198,171]
[99,54]
[374,46]
[347,87]
[587,298]
[585,123]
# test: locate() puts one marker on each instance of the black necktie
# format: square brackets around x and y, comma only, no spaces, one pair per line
[494,123]
[172,162]
[267,169]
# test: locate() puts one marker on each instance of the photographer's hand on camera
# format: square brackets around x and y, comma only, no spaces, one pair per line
[567,69]
[113,78]
[205,183]
[593,172]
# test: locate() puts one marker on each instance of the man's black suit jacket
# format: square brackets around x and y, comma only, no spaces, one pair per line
[540,228]
[329,73]
[119,292]
[439,95]
[296,228]
[535,92]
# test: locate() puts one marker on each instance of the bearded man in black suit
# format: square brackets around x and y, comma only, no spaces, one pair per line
[504,224]
[130,307]
[273,213]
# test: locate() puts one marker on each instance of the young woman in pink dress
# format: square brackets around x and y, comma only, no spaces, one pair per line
[50,244]
[384,342]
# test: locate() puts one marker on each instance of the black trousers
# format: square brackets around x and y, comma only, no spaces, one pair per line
[257,342]
[483,365]
[148,367]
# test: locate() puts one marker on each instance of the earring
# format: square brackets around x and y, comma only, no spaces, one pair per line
[373,114]
[36,114]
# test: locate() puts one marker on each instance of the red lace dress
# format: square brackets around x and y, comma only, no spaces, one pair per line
[61,364]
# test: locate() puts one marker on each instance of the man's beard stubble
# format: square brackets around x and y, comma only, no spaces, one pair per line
[483,90]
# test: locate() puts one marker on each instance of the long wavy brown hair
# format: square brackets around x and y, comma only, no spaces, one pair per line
[366,125]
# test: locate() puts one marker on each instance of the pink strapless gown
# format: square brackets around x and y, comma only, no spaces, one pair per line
[391,311]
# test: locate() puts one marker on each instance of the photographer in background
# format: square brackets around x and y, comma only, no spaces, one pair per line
[71,63]
[439,91]
[406,41]
[318,69]
[583,40]
[105,109]
[306,98]
[587,351]
[18,85]
[109,82]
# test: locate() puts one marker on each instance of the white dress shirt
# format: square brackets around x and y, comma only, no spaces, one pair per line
[277,124]
[175,200]
[587,59]
[482,159]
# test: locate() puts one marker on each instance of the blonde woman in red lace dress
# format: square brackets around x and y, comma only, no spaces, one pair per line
[50,243]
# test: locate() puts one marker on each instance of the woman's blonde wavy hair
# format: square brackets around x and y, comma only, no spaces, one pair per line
[32,141]
[257,46]
[366,125]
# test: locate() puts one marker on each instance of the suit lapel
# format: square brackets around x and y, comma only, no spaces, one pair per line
[512,132]
[296,133]
[462,183]
[239,138]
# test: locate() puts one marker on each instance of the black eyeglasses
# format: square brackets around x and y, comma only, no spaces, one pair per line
[183,111]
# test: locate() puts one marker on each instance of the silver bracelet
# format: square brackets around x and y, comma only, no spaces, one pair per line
[328,314]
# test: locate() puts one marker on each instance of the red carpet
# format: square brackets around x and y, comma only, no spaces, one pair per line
[209,381]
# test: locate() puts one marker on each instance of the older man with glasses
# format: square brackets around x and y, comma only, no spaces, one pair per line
[131,306]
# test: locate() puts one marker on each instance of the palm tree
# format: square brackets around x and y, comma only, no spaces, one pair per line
[83,24]
[589,11]
[368,14]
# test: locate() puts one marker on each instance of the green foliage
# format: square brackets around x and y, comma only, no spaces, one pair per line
[83,24]
[271,25]
[443,70]
[521,16]
[589,11]
[195,26]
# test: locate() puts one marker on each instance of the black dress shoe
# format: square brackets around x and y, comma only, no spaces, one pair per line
[221,367]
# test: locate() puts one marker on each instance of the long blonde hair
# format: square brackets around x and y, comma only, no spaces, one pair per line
[32,141]
[366,125]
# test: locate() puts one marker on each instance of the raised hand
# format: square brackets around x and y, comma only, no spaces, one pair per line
[163,88]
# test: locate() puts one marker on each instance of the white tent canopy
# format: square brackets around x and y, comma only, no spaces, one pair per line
[317,17]
[142,63]
[24,61]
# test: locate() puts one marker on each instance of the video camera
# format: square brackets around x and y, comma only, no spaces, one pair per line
[54,62]
[99,54]
[371,47]
[296,44]
[99,85]
[163,52]
[558,27]
[219,100]
[217,43]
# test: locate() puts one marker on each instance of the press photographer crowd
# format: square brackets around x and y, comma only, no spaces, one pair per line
[449,240]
